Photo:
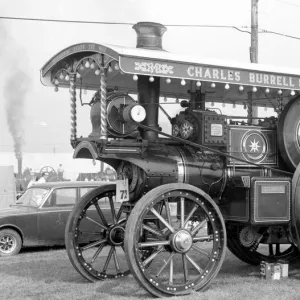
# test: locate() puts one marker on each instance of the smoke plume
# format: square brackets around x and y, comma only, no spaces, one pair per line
[15,90]
[15,87]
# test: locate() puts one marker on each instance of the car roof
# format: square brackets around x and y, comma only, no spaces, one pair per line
[49,185]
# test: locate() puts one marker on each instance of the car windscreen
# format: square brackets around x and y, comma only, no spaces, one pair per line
[33,197]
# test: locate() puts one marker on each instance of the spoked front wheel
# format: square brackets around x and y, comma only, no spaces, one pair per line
[184,233]
[95,235]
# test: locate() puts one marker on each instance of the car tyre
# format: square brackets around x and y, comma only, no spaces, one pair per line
[10,242]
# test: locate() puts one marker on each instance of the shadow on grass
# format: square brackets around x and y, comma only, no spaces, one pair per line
[51,265]
[232,266]
[125,287]
[41,249]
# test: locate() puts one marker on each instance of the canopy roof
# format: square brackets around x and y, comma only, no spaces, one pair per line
[220,80]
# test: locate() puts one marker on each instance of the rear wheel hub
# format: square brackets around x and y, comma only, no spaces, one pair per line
[116,235]
[181,241]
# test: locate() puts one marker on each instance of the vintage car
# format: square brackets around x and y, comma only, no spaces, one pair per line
[39,216]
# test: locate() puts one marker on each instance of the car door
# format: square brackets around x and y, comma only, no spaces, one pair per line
[26,221]
[53,216]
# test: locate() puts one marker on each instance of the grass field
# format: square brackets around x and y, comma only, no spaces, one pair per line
[48,274]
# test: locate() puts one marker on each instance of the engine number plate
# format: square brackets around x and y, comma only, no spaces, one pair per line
[272,189]
[122,190]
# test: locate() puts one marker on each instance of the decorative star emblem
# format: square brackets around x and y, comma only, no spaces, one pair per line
[254,146]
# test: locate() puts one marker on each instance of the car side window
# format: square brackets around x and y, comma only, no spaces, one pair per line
[65,196]
[50,201]
[84,190]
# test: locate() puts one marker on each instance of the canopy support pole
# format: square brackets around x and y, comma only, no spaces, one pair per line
[249,108]
[72,91]
[103,108]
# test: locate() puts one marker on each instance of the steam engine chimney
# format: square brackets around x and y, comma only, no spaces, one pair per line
[149,36]
[19,159]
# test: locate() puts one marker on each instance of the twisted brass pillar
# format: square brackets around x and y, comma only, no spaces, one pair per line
[103,111]
[72,91]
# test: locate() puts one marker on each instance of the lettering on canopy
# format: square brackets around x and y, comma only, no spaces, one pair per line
[209,73]
[76,49]
[156,68]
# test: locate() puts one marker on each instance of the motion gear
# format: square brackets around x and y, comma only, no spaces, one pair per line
[248,237]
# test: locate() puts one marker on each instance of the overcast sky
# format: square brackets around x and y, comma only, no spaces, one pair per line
[28,45]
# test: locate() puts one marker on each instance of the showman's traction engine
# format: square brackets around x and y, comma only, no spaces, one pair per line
[210,181]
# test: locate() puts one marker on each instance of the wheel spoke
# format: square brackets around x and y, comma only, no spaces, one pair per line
[112,208]
[200,250]
[194,264]
[185,268]
[160,207]
[152,230]
[198,227]
[116,260]
[203,238]
[182,211]
[101,214]
[271,252]
[154,243]
[90,233]
[171,271]
[152,256]
[93,245]
[97,253]
[190,214]
[108,259]
[162,219]
[120,212]
[99,224]
[165,264]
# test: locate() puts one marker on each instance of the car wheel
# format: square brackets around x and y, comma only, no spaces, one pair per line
[10,242]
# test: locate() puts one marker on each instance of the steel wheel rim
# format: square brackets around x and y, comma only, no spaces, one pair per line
[207,272]
[7,244]
[261,253]
[276,254]
[109,239]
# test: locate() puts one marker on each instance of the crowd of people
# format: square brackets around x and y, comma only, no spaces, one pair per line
[29,177]
[107,175]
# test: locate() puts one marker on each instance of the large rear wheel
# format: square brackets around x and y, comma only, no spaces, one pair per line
[184,232]
[95,235]
[258,252]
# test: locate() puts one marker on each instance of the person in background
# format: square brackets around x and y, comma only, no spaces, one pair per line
[106,178]
[32,180]
[44,178]
[19,186]
[60,172]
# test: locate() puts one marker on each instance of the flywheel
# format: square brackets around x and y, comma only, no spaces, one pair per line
[288,134]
